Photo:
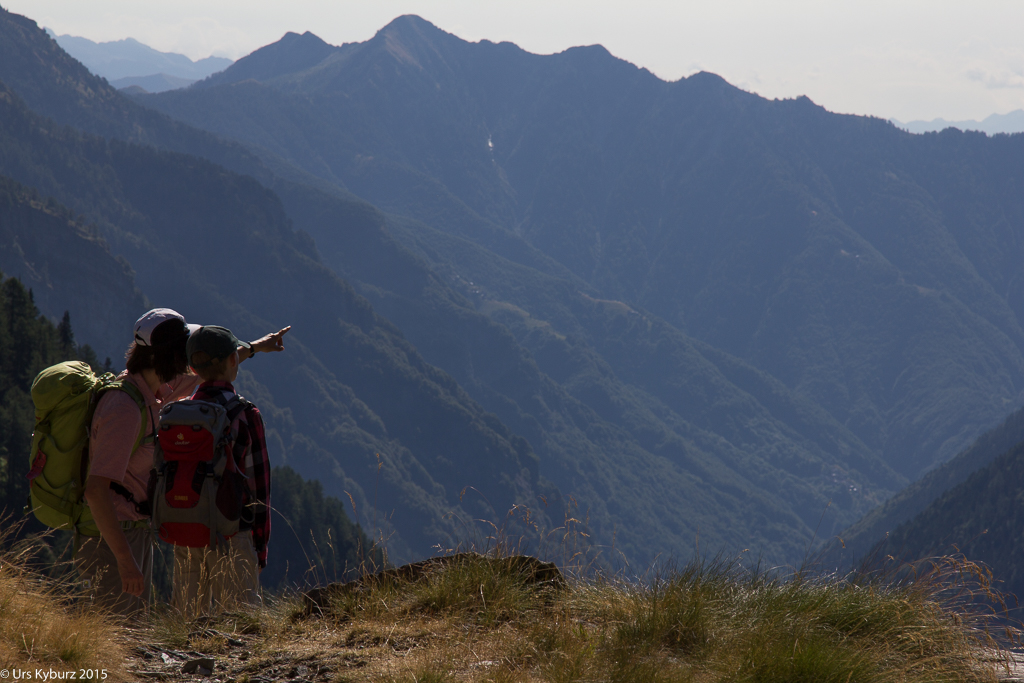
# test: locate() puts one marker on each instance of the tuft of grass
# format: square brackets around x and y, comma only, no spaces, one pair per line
[679,614]
[487,591]
[716,621]
[40,624]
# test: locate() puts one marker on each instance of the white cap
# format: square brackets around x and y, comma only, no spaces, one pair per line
[147,324]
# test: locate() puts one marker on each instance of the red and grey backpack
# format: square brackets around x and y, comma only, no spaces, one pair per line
[196,489]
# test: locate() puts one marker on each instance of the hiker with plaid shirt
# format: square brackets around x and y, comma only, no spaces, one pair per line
[215,578]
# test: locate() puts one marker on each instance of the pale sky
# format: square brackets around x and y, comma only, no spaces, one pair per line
[903,59]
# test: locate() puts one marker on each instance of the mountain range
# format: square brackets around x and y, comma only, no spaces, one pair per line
[666,311]
[125,63]
[775,231]
[994,124]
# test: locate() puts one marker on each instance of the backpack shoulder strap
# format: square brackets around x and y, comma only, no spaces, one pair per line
[136,395]
[235,406]
[140,401]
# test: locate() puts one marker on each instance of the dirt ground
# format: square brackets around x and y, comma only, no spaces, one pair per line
[314,651]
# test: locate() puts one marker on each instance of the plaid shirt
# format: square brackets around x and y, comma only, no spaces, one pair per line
[251,458]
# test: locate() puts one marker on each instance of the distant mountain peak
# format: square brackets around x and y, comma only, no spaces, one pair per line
[413,27]
[293,52]
[596,49]
[124,41]
[307,38]
[413,20]
[708,78]
[409,38]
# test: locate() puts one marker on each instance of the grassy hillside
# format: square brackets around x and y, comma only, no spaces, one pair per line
[40,630]
[478,618]
[706,622]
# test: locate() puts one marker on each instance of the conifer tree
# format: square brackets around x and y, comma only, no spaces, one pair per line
[66,335]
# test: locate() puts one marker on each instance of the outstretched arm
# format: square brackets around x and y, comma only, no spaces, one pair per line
[268,344]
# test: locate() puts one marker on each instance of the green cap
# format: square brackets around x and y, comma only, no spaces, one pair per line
[215,341]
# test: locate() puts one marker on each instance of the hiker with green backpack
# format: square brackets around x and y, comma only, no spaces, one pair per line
[92,452]
[118,563]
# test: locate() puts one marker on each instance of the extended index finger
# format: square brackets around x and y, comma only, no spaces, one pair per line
[277,339]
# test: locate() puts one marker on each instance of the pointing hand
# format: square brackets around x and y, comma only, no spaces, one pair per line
[271,342]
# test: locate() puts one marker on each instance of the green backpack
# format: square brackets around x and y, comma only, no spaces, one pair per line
[65,397]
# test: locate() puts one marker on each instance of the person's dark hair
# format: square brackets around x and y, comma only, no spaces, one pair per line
[167,354]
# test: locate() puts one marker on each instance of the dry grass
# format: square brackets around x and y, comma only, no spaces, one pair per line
[40,627]
[705,623]
[481,620]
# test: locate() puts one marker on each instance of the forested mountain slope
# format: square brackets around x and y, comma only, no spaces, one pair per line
[619,405]
[603,464]
[217,247]
[911,503]
[57,86]
[712,447]
[874,272]
[68,267]
[981,518]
